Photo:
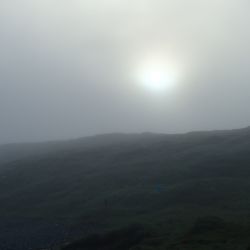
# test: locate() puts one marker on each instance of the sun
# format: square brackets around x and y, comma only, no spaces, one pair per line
[157,79]
[157,76]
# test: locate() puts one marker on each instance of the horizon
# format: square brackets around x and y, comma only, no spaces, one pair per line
[72,139]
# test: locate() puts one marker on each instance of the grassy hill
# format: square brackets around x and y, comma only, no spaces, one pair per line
[187,191]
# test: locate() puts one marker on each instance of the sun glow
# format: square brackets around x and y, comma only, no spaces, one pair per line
[157,75]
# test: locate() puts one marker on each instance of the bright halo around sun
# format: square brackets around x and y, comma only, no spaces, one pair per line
[157,76]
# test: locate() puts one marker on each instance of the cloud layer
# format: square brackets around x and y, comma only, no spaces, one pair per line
[66,66]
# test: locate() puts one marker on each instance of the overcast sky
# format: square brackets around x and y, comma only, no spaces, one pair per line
[67,68]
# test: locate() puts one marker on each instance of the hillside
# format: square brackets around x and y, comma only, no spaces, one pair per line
[190,189]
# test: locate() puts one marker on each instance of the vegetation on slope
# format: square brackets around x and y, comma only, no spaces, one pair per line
[168,183]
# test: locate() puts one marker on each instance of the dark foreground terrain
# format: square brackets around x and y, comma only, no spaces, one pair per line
[122,191]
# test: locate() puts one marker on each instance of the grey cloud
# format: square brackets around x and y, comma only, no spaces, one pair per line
[65,66]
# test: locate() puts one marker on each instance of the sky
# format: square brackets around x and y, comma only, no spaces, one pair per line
[76,68]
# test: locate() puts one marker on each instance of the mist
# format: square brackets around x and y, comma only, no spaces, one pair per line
[67,67]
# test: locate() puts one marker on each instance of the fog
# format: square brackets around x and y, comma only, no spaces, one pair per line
[67,67]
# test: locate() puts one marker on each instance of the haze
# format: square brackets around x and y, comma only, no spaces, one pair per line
[67,67]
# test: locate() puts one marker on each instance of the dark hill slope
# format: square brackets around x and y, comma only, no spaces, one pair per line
[105,182]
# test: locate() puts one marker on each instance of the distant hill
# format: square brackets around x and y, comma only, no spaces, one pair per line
[172,186]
